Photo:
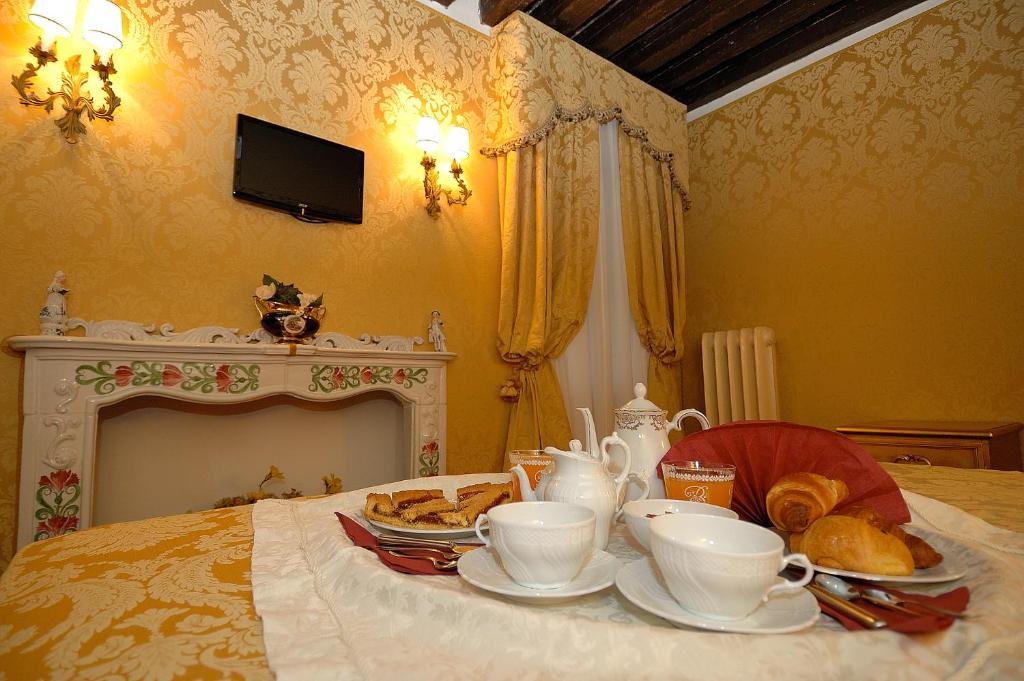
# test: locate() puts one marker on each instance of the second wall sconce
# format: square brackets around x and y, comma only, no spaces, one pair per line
[428,138]
[102,28]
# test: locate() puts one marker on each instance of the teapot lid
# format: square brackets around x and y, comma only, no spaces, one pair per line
[640,401]
[575,451]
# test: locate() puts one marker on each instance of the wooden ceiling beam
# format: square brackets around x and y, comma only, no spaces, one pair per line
[680,33]
[823,29]
[740,37]
[624,21]
[492,12]
[566,16]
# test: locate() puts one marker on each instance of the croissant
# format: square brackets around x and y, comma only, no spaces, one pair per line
[846,543]
[922,552]
[798,499]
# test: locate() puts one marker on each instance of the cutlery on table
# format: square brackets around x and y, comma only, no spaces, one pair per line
[849,609]
[440,564]
[878,595]
[415,550]
[415,541]
[843,589]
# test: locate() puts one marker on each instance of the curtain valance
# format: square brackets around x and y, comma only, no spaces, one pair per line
[561,115]
[538,79]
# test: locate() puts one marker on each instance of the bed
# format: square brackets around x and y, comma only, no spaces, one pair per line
[171,597]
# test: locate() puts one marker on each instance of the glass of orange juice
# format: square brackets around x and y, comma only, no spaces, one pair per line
[534,462]
[710,483]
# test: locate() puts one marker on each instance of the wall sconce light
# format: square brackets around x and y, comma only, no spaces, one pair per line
[102,28]
[428,138]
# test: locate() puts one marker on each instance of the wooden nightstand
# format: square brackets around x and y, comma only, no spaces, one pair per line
[960,444]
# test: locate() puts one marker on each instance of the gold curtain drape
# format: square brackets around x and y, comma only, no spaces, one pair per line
[548,96]
[652,233]
[548,202]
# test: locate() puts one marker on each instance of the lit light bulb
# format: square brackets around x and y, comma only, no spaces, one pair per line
[458,143]
[102,27]
[428,134]
[55,17]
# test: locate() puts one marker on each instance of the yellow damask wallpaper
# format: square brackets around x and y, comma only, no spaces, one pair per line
[140,213]
[870,208]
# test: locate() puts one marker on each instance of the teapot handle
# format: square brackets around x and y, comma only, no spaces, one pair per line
[641,483]
[614,440]
[677,421]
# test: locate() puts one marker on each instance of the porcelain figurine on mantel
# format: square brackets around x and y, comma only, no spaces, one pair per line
[53,318]
[643,426]
[435,332]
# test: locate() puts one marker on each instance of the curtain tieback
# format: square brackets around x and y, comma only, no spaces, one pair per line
[513,387]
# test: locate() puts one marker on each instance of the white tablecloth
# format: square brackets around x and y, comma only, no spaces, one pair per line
[330,610]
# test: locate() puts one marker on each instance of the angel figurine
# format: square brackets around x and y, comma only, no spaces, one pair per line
[53,318]
[435,332]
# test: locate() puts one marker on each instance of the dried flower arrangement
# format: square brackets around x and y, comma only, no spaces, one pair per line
[287,294]
[332,485]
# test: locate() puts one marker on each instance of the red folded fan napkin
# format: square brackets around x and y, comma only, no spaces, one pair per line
[363,538]
[923,623]
[764,451]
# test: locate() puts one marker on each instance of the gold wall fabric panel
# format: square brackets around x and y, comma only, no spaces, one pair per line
[652,236]
[870,208]
[140,214]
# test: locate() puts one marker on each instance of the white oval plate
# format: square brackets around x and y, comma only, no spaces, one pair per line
[425,533]
[949,569]
[482,569]
[641,584]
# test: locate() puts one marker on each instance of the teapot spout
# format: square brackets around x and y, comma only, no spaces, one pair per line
[593,446]
[525,490]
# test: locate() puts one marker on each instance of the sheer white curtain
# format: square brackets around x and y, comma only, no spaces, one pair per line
[606,358]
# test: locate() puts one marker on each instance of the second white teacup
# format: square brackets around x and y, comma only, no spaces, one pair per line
[721,568]
[541,544]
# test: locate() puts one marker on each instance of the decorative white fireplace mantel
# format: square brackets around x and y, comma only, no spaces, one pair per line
[68,379]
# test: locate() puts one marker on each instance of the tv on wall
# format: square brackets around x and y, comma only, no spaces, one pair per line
[313,179]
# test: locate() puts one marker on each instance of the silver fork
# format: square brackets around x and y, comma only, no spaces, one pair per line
[404,548]
[876,595]
[440,564]
[418,542]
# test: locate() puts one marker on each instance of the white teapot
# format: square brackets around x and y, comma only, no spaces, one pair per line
[578,477]
[643,426]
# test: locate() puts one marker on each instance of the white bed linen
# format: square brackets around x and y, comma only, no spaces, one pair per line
[330,610]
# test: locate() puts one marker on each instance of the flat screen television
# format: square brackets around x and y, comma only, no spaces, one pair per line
[313,179]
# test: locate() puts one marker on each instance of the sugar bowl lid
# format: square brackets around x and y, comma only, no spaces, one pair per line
[640,401]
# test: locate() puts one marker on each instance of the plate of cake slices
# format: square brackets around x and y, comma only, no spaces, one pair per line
[429,513]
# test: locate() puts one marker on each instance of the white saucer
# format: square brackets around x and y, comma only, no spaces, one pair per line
[641,583]
[482,569]
[454,533]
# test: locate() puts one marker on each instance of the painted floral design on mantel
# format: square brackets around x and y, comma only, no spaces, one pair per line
[430,456]
[57,504]
[233,379]
[327,378]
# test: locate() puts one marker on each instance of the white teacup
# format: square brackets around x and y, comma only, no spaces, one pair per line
[541,544]
[721,568]
[635,513]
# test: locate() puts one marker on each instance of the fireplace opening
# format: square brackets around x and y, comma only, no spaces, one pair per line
[159,456]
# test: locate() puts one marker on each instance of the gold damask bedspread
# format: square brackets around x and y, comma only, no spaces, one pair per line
[171,598]
[996,497]
[166,598]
